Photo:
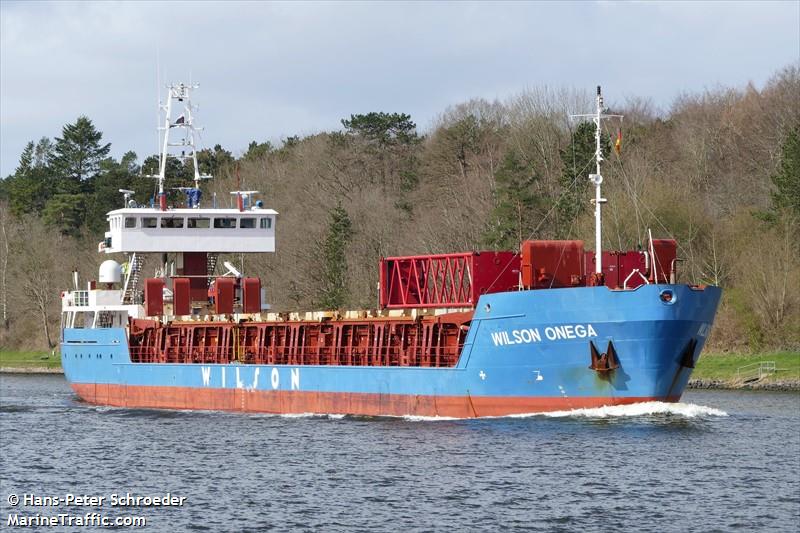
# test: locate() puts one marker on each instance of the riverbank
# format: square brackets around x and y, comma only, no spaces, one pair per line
[30,363]
[734,370]
[713,371]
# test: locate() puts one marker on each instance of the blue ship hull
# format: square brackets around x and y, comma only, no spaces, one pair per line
[527,351]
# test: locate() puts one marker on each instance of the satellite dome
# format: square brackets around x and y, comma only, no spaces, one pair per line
[110,272]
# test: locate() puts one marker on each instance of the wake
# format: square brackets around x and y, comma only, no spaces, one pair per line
[644,409]
[686,410]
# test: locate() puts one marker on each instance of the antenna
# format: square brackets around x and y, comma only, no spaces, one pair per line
[597,117]
[158,101]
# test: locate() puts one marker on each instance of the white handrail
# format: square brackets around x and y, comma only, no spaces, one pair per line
[634,271]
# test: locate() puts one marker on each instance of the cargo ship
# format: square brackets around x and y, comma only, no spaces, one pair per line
[550,326]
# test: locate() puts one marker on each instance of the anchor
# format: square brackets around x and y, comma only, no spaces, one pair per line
[687,356]
[604,362]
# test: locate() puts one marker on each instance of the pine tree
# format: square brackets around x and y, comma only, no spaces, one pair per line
[256,150]
[78,154]
[387,140]
[31,186]
[176,174]
[65,212]
[106,196]
[25,160]
[578,161]
[787,180]
[44,153]
[517,208]
[383,128]
[212,161]
[333,294]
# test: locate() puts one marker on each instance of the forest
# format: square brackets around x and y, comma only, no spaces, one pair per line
[719,171]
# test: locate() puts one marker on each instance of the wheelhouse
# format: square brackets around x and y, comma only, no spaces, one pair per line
[190,230]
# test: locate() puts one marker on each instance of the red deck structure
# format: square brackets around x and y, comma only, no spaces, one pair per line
[429,341]
[445,280]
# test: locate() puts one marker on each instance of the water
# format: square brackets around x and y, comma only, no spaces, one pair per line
[718,461]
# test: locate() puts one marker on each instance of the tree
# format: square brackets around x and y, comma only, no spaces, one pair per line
[30,191]
[78,154]
[5,251]
[65,212]
[31,185]
[516,205]
[25,160]
[106,196]
[578,162]
[333,293]
[176,174]
[787,179]
[256,151]
[44,153]
[40,272]
[457,142]
[212,161]
[385,145]
[383,128]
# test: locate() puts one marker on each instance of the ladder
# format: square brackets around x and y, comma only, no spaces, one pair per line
[130,289]
[211,266]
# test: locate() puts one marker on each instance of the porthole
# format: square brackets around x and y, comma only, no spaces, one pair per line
[668,296]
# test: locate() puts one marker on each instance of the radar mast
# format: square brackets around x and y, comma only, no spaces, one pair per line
[179,93]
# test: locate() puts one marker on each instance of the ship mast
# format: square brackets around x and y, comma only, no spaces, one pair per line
[597,179]
[181,93]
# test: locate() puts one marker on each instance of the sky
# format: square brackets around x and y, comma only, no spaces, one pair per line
[269,70]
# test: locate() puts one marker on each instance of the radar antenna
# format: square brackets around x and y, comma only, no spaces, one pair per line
[126,194]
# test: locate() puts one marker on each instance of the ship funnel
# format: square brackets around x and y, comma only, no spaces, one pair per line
[110,272]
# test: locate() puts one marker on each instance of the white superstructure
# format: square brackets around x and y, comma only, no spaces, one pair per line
[146,230]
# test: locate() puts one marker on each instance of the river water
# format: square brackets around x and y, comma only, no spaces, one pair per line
[718,461]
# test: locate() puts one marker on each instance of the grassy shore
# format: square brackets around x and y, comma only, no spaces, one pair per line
[30,360]
[724,366]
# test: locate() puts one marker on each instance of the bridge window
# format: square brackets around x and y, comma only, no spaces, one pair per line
[224,223]
[249,223]
[198,223]
[266,223]
[171,222]
[130,222]
[149,222]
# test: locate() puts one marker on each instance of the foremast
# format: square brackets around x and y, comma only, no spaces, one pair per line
[597,178]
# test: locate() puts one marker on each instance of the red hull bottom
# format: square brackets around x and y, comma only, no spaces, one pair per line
[286,402]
